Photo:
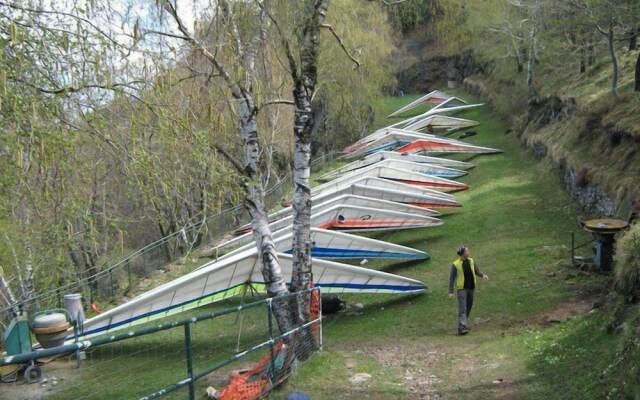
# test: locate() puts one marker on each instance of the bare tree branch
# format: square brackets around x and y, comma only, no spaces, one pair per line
[236,90]
[75,89]
[392,3]
[341,43]
[65,14]
[222,150]
[279,101]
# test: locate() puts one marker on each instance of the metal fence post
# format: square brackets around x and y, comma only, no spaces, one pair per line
[270,319]
[319,315]
[129,273]
[189,356]
[573,248]
[113,289]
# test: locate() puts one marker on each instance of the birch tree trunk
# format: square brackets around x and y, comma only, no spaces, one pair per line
[531,64]
[533,54]
[250,166]
[304,88]
[254,204]
[305,77]
[614,58]
[637,75]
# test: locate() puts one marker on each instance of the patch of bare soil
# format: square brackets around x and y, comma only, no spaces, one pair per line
[417,364]
[55,375]
[567,310]
[414,363]
[426,368]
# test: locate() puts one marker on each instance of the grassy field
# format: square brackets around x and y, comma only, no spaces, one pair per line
[525,341]
[516,219]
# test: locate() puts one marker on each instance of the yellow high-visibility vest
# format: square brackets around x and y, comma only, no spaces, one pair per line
[460,272]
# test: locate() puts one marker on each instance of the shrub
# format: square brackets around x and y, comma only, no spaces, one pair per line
[627,260]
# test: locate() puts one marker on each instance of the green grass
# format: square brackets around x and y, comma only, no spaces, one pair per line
[516,219]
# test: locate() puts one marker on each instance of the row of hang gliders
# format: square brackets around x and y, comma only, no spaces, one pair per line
[392,181]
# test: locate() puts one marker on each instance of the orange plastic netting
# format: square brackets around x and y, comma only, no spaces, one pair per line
[251,384]
[256,382]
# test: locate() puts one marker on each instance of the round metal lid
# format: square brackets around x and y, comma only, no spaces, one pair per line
[605,225]
[49,320]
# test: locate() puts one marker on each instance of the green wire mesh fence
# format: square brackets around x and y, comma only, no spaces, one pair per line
[236,348]
[113,281]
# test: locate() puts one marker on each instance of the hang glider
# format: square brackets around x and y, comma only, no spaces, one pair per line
[376,186]
[392,191]
[393,155]
[349,219]
[450,105]
[219,280]
[438,147]
[380,134]
[322,202]
[423,168]
[396,174]
[434,97]
[405,187]
[441,123]
[340,245]
[390,140]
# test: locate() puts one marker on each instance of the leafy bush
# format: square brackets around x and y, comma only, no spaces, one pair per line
[627,258]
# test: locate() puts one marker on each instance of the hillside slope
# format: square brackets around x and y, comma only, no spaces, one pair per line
[591,136]
[516,218]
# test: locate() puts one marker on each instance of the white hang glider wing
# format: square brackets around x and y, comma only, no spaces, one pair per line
[441,123]
[449,106]
[394,155]
[408,165]
[387,190]
[322,203]
[396,174]
[434,97]
[445,162]
[392,191]
[340,245]
[348,218]
[437,146]
[222,279]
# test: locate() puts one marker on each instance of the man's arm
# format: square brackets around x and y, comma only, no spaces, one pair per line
[477,270]
[479,273]
[452,278]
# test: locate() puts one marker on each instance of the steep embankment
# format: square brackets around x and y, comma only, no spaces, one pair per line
[592,137]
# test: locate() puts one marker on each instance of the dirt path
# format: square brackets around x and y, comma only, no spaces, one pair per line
[485,364]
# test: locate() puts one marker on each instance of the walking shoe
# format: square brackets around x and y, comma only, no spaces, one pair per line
[462,332]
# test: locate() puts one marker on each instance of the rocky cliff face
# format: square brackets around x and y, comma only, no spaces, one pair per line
[595,201]
[428,73]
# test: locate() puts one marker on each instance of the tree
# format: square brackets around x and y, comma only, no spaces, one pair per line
[86,85]
[120,129]
[608,17]
[250,167]
[302,54]
[637,76]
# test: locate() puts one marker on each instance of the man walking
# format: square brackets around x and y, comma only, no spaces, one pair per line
[464,271]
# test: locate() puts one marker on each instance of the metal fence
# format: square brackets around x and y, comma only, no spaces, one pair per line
[113,281]
[181,358]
